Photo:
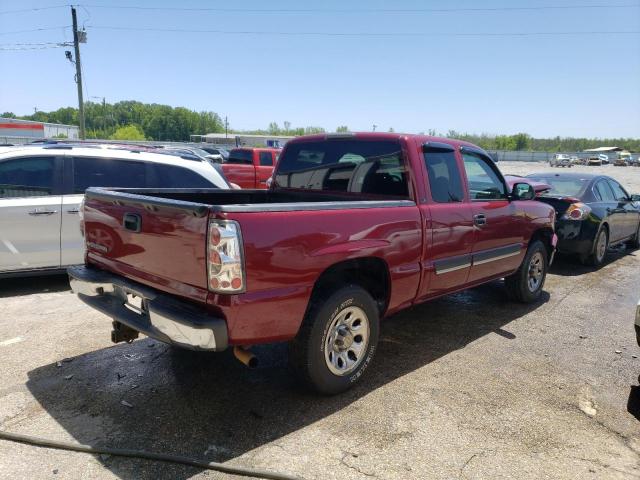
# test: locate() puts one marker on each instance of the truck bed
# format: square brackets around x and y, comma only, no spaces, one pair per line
[200,201]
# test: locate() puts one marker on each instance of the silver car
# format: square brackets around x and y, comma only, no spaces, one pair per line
[41,188]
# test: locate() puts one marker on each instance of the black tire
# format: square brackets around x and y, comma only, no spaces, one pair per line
[518,285]
[307,355]
[597,255]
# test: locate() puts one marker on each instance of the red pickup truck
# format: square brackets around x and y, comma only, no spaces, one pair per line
[354,228]
[250,167]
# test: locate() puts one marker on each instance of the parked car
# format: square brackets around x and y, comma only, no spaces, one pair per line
[250,167]
[593,213]
[593,160]
[560,160]
[575,160]
[197,152]
[213,149]
[354,228]
[41,188]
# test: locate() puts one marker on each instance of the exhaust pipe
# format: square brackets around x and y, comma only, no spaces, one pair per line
[245,356]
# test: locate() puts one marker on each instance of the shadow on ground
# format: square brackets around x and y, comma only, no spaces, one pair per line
[187,403]
[570,266]
[18,286]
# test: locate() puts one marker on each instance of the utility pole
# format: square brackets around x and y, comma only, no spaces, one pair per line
[226,127]
[76,46]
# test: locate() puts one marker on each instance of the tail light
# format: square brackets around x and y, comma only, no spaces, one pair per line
[577,211]
[224,257]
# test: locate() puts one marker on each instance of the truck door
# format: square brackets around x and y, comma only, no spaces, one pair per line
[498,244]
[264,167]
[30,204]
[447,258]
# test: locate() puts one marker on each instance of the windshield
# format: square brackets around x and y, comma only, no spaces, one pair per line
[562,186]
[356,166]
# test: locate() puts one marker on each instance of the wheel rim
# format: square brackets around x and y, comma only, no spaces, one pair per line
[346,341]
[601,246]
[536,272]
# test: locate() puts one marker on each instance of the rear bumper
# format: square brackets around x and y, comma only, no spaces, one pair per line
[162,317]
[575,237]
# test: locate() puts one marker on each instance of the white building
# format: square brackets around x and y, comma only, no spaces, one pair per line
[16,131]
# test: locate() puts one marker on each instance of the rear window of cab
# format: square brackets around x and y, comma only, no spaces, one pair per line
[350,166]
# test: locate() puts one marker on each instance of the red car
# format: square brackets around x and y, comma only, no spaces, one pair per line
[250,167]
[354,228]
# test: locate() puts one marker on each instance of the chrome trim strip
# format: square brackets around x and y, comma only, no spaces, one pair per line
[492,259]
[452,269]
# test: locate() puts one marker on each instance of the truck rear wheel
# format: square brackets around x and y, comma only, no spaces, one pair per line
[526,284]
[337,340]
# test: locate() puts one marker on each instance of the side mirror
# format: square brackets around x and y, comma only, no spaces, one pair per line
[523,191]
[635,198]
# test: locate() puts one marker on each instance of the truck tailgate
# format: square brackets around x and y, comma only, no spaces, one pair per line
[163,243]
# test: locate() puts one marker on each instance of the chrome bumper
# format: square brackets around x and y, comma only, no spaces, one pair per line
[162,317]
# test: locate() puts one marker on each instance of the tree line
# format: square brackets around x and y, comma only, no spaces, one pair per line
[131,120]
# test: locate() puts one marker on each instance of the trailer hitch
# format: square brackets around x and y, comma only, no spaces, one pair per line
[123,333]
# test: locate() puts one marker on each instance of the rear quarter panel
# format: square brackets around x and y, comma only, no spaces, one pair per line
[286,252]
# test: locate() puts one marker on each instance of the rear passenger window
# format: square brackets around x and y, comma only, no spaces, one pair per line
[27,177]
[603,192]
[239,156]
[484,183]
[107,172]
[266,160]
[444,175]
[169,176]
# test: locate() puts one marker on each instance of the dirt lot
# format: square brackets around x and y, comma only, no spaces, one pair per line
[468,386]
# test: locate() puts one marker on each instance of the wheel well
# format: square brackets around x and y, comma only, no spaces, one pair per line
[544,235]
[370,273]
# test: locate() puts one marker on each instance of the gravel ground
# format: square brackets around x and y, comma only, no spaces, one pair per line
[467,386]
[629,177]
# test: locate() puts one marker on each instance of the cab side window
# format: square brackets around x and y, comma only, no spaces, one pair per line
[266,160]
[444,175]
[484,183]
[27,177]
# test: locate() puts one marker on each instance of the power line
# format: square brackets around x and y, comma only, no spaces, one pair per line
[370,34]
[41,47]
[35,9]
[354,10]
[42,29]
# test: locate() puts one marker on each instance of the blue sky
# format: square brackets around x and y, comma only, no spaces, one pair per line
[587,85]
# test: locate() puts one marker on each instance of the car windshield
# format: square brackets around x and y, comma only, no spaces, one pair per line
[562,186]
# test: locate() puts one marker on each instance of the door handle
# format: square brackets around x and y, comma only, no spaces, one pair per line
[73,211]
[480,219]
[38,212]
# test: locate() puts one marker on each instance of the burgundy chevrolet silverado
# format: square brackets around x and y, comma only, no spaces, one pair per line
[354,228]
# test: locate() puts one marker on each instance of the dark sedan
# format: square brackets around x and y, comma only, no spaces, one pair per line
[594,212]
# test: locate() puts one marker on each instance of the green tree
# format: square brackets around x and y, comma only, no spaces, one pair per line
[342,129]
[128,132]
[8,115]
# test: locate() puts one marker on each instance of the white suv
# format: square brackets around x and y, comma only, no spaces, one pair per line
[41,188]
